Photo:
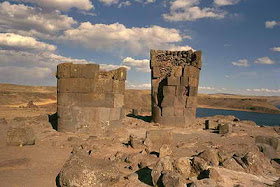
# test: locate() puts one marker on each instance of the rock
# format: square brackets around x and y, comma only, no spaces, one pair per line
[211,124]
[246,122]
[132,177]
[156,138]
[165,150]
[256,163]
[83,170]
[204,183]
[183,166]
[231,164]
[267,150]
[214,175]
[199,165]
[225,128]
[172,179]
[136,142]
[269,140]
[20,136]
[210,156]
[3,121]
[164,164]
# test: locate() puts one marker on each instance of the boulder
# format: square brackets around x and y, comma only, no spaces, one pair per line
[269,140]
[204,183]
[155,139]
[165,150]
[136,142]
[199,165]
[172,179]
[183,167]
[20,136]
[164,164]
[210,156]
[231,164]
[267,150]
[83,170]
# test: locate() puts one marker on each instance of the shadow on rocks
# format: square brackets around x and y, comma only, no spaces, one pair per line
[145,176]
[53,119]
[143,118]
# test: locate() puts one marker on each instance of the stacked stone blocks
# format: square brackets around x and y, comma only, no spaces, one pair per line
[175,77]
[89,100]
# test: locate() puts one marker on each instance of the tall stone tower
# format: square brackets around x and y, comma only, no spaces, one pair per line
[89,100]
[175,77]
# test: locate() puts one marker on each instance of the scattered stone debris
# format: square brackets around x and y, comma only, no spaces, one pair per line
[20,136]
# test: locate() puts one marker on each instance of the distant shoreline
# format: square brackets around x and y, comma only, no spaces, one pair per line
[236,109]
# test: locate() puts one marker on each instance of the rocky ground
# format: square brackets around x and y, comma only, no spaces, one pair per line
[139,153]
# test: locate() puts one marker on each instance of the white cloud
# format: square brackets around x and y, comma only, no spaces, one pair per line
[32,21]
[276,49]
[145,1]
[226,2]
[112,66]
[242,63]
[187,10]
[109,2]
[124,4]
[15,41]
[116,37]
[263,90]
[206,88]
[180,48]
[63,5]
[139,65]
[139,86]
[271,24]
[264,60]
[150,1]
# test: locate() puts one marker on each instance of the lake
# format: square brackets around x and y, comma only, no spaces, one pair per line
[259,118]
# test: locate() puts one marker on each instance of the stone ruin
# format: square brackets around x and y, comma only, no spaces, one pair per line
[89,100]
[175,77]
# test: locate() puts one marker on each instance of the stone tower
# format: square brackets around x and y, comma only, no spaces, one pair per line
[175,77]
[89,100]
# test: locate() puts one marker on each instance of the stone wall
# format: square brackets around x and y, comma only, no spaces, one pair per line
[89,100]
[175,77]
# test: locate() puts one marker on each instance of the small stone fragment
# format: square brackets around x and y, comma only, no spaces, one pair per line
[165,150]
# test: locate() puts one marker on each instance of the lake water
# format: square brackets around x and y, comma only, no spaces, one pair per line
[259,118]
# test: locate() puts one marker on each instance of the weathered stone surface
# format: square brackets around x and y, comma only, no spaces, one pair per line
[231,164]
[165,150]
[175,76]
[210,156]
[269,140]
[164,164]
[20,136]
[183,166]
[83,170]
[267,150]
[89,100]
[172,179]
[210,124]
[225,128]
[155,139]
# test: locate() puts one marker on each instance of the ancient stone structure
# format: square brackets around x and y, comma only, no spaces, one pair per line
[175,77]
[89,100]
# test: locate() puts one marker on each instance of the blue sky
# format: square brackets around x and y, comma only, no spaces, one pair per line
[239,39]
